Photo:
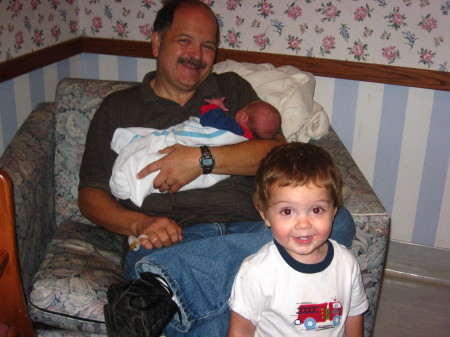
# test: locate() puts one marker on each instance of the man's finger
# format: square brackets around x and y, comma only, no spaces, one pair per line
[173,188]
[166,150]
[146,243]
[146,171]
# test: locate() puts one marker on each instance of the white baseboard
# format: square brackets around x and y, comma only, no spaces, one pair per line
[423,262]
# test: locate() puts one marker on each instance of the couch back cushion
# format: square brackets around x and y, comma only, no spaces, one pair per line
[77,100]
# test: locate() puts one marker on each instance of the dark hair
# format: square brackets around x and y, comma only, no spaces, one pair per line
[164,17]
[296,164]
[264,120]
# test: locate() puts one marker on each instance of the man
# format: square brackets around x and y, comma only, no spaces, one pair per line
[184,60]
[184,41]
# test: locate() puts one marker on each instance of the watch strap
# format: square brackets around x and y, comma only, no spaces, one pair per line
[207,160]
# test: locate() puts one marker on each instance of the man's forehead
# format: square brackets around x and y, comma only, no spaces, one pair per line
[190,17]
[186,34]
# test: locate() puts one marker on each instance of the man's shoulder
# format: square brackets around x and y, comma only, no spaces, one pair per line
[124,94]
[121,108]
[132,92]
[229,76]
[231,84]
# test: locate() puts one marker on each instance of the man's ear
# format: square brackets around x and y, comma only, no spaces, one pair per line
[156,43]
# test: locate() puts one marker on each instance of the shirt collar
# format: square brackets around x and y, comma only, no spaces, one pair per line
[307,268]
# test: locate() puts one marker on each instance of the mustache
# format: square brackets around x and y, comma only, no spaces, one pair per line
[192,62]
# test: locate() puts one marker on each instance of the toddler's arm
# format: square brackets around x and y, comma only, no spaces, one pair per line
[240,326]
[354,326]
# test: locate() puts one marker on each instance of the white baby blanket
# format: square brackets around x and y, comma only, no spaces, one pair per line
[137,147]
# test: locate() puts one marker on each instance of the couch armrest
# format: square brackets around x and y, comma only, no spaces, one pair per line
[29,161]
[371,220]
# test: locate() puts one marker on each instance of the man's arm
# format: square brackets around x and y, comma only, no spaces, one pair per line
[94,200]
[181,164]
[104,210]
[243,158]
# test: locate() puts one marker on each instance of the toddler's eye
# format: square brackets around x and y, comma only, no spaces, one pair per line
[316,210]
[286,211]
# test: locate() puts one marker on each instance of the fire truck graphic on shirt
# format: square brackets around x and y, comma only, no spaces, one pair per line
[310,314]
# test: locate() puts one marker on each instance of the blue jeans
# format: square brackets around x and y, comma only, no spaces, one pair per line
[201,268]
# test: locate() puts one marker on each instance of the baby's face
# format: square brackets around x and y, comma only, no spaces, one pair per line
[241,116]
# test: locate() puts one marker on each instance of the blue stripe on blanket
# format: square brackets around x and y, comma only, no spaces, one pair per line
[192,134]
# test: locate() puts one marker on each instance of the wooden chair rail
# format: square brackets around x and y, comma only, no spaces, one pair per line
[358,71]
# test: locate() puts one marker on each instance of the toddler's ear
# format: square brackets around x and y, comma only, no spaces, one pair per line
[264,218]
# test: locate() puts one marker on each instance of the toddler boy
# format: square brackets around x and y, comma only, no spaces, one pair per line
[302,280]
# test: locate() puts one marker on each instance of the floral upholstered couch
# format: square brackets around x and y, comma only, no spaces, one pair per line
[67,263]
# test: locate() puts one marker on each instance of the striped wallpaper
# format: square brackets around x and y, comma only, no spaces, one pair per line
[398,136]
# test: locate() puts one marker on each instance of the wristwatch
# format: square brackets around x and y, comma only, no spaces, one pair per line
[207,160]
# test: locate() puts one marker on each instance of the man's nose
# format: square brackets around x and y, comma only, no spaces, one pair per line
[195,51]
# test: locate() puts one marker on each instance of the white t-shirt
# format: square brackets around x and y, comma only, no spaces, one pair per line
[283,297]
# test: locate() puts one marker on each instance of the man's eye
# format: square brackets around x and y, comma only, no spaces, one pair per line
[210,47]
[286,211]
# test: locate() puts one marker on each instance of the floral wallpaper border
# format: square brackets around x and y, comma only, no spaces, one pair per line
[410,33]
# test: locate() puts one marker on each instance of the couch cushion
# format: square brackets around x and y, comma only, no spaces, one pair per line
[69,291]
[77,100]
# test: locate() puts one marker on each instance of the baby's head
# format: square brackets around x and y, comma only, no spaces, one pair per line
[296,164]
[261,118]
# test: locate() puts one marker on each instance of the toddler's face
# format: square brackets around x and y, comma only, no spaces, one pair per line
[301,219]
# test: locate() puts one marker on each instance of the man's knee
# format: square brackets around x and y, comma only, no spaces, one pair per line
[343,227]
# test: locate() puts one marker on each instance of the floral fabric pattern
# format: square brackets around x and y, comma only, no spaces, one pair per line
[29,160]
[82,260]
[76,102]
[69,291]
[403,33]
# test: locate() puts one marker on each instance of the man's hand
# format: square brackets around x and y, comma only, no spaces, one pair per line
[179,167]
[160,232]
[102,209]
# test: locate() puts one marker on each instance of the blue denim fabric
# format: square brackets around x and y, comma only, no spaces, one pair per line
[201,269]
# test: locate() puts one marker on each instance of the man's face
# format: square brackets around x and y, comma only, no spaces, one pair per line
[186,52]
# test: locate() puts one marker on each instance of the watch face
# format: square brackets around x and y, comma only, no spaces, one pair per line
[207,161]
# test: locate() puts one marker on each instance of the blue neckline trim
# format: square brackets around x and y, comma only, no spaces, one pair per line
[303,267]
